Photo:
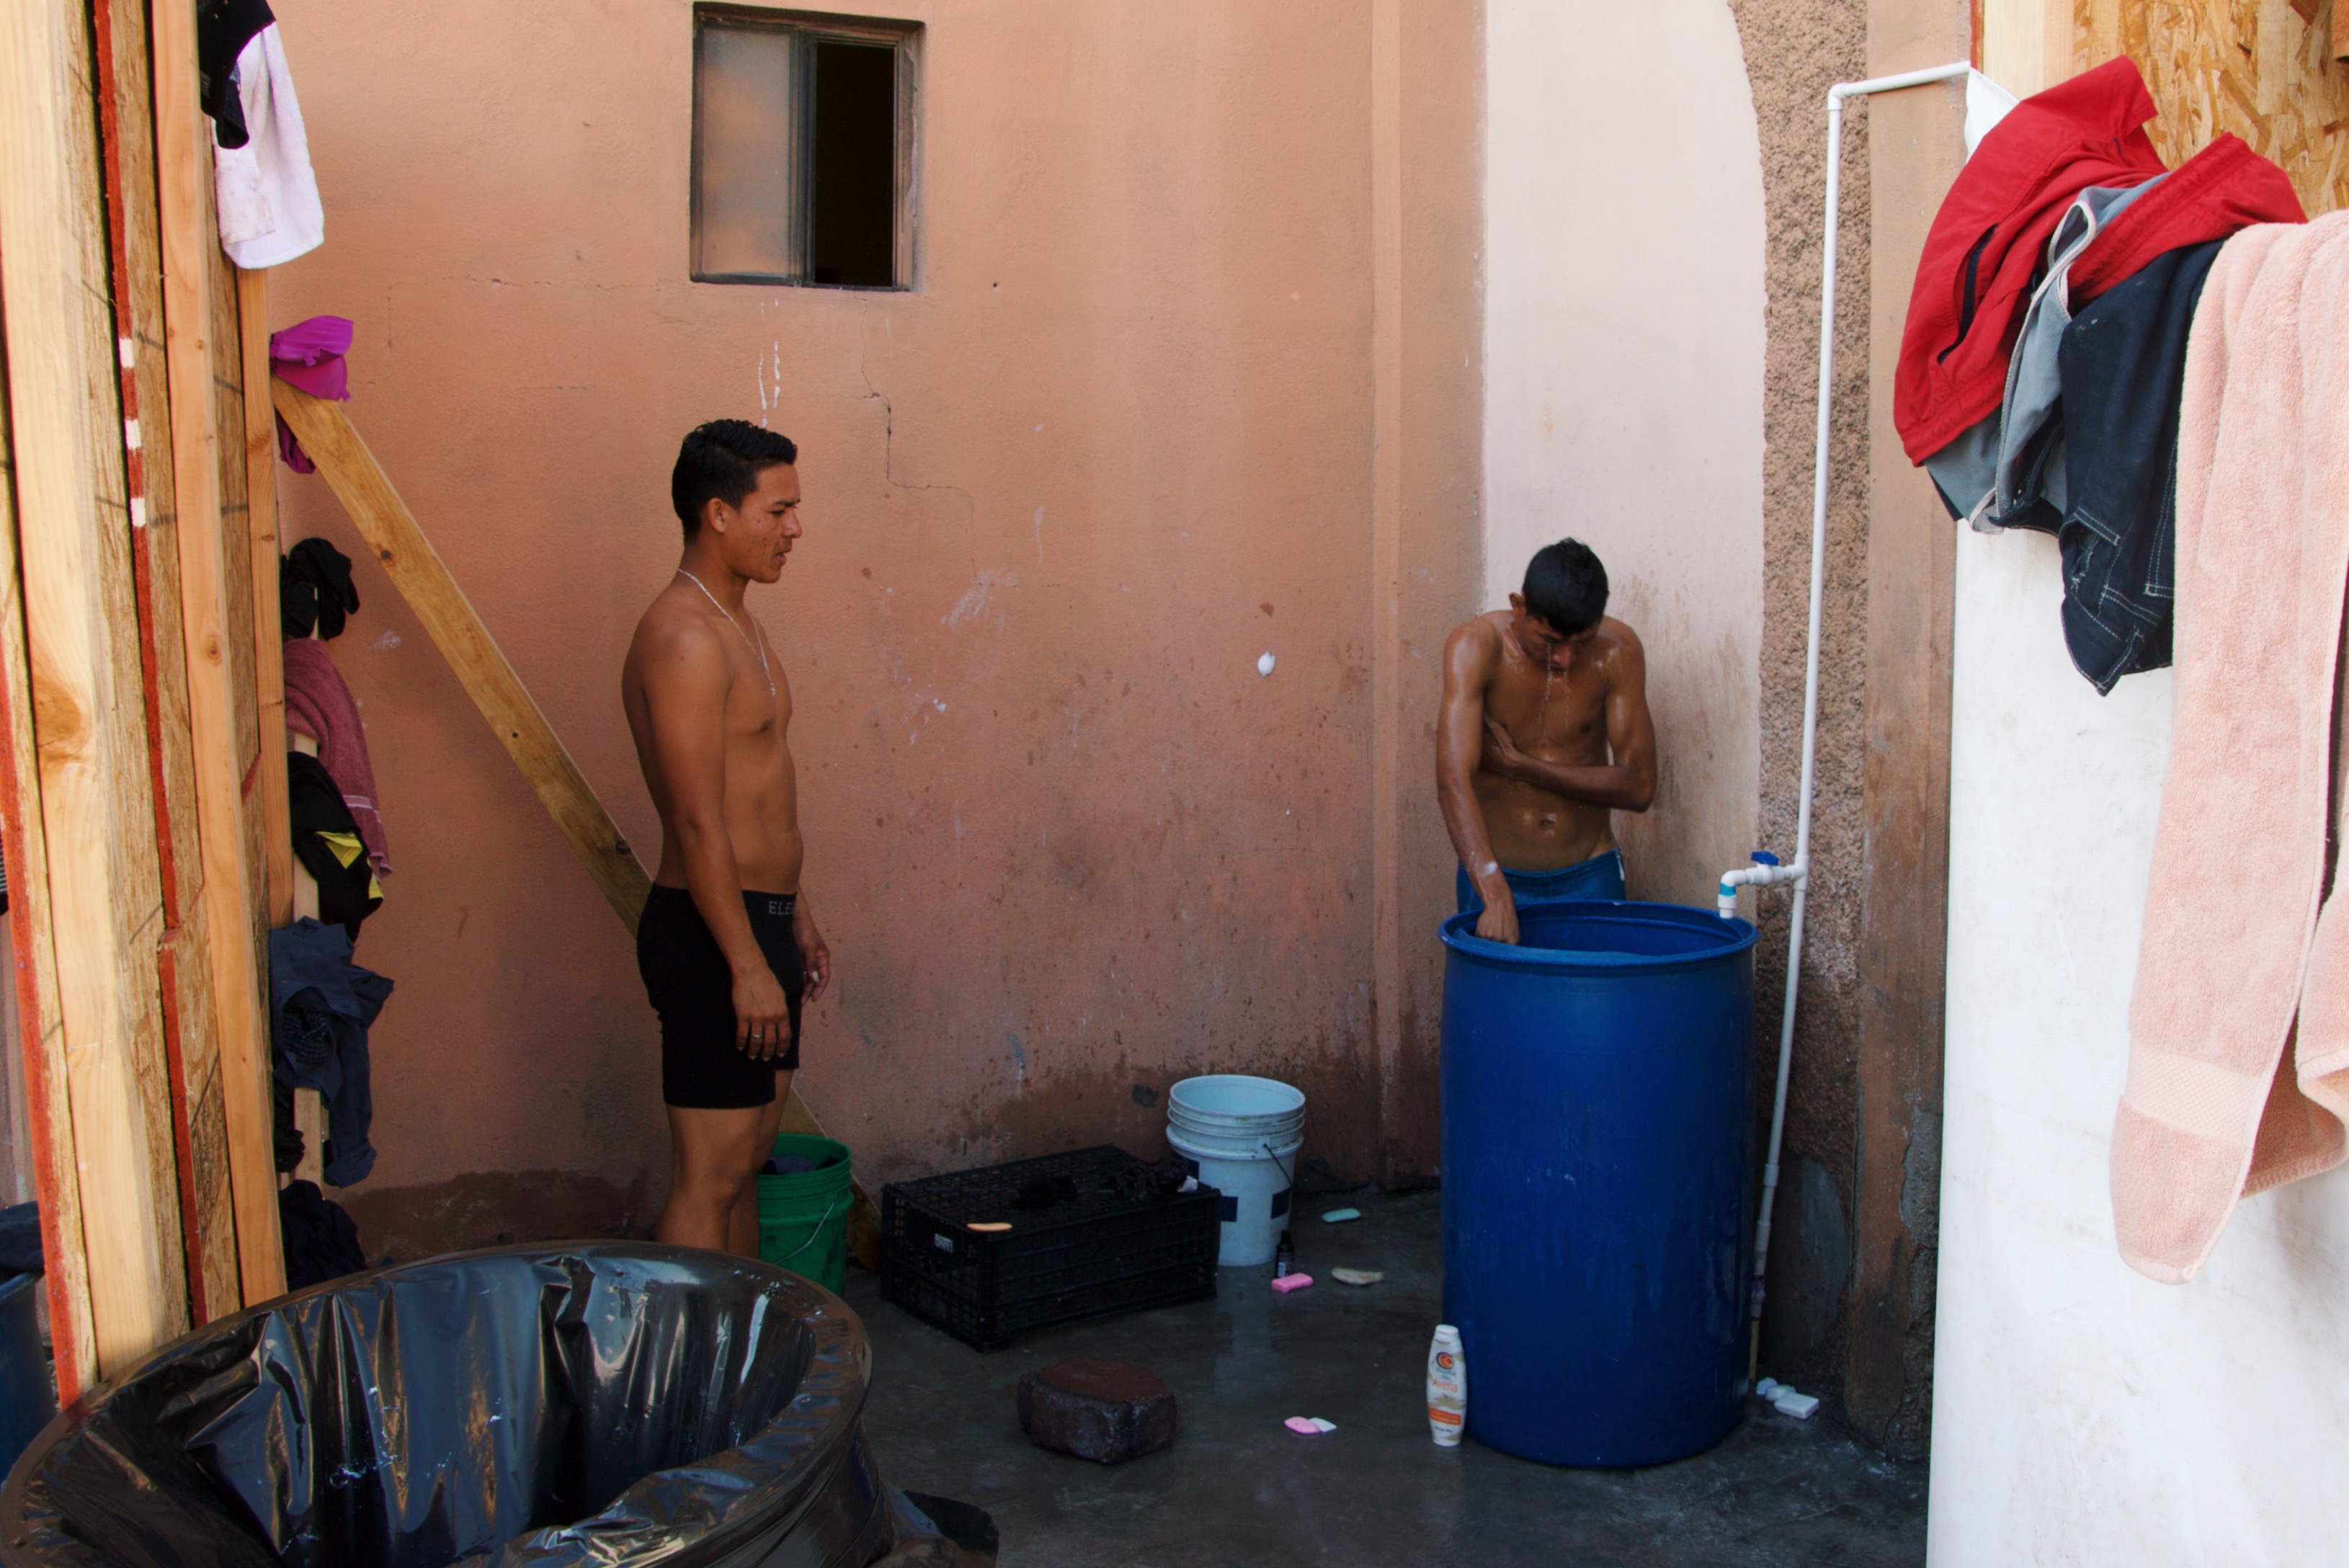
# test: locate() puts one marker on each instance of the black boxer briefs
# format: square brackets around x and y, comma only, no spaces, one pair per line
[692,989]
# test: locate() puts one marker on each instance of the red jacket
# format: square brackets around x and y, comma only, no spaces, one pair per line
[1973,282]
[1989,238]
[2223,188]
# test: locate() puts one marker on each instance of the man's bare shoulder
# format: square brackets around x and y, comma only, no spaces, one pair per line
[1476,643]
[1619,647]
[674,634]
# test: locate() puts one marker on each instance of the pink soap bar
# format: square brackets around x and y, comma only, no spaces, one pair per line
[1309,1426]
[1288,1283]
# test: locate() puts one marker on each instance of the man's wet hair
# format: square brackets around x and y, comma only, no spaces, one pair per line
[722,460]
[1566,588]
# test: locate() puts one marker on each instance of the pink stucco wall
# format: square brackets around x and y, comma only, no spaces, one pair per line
[1063,838]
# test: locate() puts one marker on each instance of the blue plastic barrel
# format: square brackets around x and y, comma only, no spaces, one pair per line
[1598,1179]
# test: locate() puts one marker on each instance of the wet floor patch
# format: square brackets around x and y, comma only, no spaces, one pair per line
[1240,1489]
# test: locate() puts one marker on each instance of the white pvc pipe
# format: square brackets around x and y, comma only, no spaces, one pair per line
[1798,873]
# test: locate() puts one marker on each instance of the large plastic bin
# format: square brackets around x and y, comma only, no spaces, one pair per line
[600,1403]
[1599,1178]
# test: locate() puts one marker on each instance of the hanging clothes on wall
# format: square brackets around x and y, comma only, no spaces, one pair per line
[2007,470]
[2239,1060]
[319,705]
[2122,367]
[309,355]
[328,843]
[223,29]
[2078,443]
[1987,242]
[314,590]
[321,1007]
[262,187]
[321,1240]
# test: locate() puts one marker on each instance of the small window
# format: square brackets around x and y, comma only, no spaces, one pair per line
[802,148]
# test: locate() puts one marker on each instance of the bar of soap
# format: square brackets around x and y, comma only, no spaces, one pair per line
[1767,1388]
[1357,1276]
[1801,1407]
[1339,1216]
[1288,1283]
[1309,1426]
[990,1225]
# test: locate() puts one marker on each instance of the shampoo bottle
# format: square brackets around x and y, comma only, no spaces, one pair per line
[1447,1386]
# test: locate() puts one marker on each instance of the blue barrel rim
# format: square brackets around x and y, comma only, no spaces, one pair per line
[1460,936]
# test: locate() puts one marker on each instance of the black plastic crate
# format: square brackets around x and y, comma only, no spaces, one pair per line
[1096,1254]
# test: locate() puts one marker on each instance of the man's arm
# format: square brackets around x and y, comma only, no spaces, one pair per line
[1628,782]
[1470,656]
[685,681]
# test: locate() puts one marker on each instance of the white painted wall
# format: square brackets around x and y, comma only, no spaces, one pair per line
[2082,1413]
[1624,251]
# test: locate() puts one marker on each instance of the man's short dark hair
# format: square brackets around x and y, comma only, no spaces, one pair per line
[722,460]
[1566,588]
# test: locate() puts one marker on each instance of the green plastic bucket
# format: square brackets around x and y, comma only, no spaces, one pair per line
[804,1218]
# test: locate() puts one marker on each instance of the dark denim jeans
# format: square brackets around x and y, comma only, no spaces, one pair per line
[2122,367]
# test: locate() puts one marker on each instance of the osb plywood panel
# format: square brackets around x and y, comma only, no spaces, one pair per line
[216,1263]
[2260,69]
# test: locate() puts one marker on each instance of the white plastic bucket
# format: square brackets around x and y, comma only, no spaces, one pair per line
[1240,1136]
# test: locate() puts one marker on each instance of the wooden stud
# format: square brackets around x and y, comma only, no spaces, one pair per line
[2027,43]
[196,357]
[40,1036]
[269,659]
[191,1025]
[417,570]
[95,792]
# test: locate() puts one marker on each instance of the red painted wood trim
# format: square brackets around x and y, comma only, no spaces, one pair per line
[142,573]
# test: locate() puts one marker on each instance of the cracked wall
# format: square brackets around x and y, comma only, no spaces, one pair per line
[1063,838]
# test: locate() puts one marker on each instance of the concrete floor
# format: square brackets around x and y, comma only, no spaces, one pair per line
[1238,1490]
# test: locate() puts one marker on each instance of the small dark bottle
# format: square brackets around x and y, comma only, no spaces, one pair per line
[1285,1260]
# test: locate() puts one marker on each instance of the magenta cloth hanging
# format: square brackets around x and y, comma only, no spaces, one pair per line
[309,355]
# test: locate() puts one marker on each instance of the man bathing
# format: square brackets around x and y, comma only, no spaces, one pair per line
[1543,731]
[727,946]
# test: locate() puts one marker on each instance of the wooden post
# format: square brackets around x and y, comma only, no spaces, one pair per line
[89,760]
[192,260]
[416,569]
[40,1036]
[2026,44]
[268,650]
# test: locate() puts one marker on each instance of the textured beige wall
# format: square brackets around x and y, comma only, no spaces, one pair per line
[1064,840]
[1623,345]
[1795,49]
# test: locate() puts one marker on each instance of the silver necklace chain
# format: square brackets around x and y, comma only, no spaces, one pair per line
[755,648]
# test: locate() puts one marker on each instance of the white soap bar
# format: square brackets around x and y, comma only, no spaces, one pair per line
[1801,1407]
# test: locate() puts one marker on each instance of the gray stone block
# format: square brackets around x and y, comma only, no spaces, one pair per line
[1103,1410]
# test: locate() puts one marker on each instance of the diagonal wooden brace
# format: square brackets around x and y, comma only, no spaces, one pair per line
[416,569]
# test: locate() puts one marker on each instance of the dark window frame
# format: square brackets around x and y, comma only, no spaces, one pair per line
[808,29]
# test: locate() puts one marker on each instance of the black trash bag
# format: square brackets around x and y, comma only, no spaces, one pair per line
[600,1403]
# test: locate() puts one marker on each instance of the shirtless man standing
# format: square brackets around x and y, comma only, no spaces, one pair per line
[1543,731]
[726,945]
